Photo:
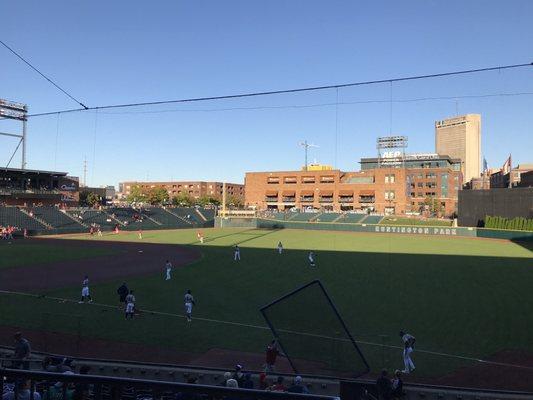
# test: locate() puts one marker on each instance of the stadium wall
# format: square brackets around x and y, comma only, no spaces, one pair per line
[391,229]
[475,205]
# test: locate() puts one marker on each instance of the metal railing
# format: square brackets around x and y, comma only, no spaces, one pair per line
[103,387]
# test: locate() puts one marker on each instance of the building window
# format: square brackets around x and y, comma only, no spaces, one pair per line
[431,185]
[420,184]
[308,179]
[290,180]
[389,194]
[431,175]
[389,178]
[327,179]
[273,180]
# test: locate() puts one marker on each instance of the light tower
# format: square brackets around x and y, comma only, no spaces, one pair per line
[18,112]
[306,146]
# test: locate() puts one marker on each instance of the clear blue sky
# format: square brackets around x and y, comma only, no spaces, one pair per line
[107,52]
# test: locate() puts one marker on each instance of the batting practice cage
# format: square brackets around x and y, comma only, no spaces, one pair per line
[312,334]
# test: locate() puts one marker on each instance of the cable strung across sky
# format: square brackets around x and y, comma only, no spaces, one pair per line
[252,94]
[43,75]
[285,91]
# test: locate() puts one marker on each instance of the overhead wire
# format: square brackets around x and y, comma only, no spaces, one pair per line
[285,91]
[43,75]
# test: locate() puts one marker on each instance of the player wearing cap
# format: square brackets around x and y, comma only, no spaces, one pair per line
[409,344]
[189,302]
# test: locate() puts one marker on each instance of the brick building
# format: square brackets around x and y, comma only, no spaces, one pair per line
[194,189]
[385,188]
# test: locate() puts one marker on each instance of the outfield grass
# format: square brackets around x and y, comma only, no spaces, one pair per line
[461,296]
[26,254]
[415,221]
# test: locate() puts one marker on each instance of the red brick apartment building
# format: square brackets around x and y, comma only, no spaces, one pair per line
[382,188]
[194,189]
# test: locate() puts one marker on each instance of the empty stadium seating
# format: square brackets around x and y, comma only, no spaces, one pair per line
[327,217]
[14,217]
[89,217]
[372,219]
[351,218]
[302,216]
[58,219]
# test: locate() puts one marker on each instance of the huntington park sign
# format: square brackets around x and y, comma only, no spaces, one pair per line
[416,230]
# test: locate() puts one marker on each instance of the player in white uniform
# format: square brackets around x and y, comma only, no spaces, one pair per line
[311,258]
[85,291]
[189,302]
[409,344]
[280,247]
[130,305]
[236,253]
[168,268]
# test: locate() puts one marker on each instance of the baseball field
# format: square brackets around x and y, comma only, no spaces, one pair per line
[468,301]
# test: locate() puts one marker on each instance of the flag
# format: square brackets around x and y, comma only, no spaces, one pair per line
[507,166]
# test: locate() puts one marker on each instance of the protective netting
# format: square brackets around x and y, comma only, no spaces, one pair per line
[312,334]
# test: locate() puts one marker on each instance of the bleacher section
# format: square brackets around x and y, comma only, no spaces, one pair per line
[51,220]
[372,219]
[89,217]
[327,217]
[166,218]
[58,219]
[14,217]
[351,218]
[303,217]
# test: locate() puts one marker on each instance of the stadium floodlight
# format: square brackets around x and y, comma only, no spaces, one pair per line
[306,146]
[17,111]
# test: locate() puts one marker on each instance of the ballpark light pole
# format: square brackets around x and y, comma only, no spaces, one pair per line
[16,111]
[306,146]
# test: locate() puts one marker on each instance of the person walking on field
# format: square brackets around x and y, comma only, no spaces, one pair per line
[130,305]
[189,302]
[85,291]
[168,269]
[236,253]
[311,258]
[280,247]
[122,292]
[409,344]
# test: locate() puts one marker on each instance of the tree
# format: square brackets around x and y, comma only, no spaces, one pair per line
[183,199]
[137,195]
[157,195]
[93,199]
[234,201]
[205,200]
[433,205]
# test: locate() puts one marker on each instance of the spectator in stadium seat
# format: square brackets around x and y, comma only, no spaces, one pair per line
[397,385]
[263,381]
[22,352]
[238,375]
[298,386]
[247,383]
[227,376]
[384,386]
[23,393]
[278,386]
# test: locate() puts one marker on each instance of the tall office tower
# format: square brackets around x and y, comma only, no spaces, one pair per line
[460,137]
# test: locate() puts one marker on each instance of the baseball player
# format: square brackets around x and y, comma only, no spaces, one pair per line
[130,305]
[140,234]
[409,344]
[85,291]
[280,247]
[311,258]
[189,302]
[168,268]
[236,253]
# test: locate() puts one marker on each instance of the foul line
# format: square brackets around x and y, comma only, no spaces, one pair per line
[241,324]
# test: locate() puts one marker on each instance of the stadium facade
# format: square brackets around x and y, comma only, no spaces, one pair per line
[390,186]
[194,189]
[26,187]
